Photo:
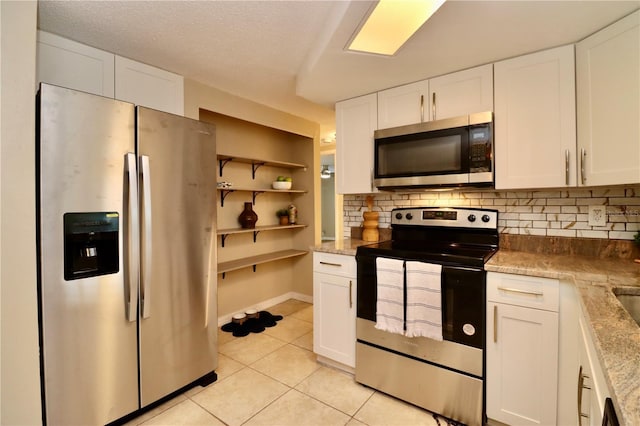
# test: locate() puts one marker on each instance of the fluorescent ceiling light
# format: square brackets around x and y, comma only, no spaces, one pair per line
[391,24]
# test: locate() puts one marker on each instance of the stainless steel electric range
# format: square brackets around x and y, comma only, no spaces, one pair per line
[447,376]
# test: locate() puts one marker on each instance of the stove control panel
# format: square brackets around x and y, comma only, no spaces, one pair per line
[446,217]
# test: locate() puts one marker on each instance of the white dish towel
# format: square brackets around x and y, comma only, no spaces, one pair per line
[390,301]
[424,300]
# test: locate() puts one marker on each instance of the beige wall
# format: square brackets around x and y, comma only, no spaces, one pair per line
[248,129]
[20,389]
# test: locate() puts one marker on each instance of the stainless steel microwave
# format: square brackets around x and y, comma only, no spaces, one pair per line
[442,153]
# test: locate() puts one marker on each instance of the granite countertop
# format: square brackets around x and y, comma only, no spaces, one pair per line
[346,246]
[615,334]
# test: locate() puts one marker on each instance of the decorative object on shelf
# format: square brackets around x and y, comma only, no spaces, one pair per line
[293,214]
[224,185]
[282,182]
[636,239]
[370,224]
[283,215]
[248,217]
[250,322]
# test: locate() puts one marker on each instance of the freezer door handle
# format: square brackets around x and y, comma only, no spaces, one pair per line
[145,189]
[132,239]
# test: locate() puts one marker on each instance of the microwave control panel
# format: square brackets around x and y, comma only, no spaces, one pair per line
[480,148]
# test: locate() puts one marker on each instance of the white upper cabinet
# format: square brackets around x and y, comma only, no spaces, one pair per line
[77,66]
[74,65]
[461,93]
[402,105]
[356,120]
[535,120]
[608,96]
[149,86]
[451,95]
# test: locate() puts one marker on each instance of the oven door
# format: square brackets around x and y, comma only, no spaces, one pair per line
[463,300]
[437,157]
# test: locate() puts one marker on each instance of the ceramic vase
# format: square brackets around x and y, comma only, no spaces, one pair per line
[248,217]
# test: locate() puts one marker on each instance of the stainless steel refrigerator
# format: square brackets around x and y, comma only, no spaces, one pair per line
[126,245]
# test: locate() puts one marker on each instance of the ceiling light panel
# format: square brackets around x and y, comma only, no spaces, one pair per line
[391,24]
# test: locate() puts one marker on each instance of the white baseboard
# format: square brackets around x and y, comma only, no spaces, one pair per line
[264,305]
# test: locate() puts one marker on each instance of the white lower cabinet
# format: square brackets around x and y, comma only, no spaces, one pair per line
[334,308]
[522,349]
[592,386]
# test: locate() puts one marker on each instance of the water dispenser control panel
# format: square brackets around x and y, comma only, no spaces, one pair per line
[91,244]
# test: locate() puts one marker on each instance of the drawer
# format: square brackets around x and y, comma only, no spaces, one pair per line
[521,290]
[336,264]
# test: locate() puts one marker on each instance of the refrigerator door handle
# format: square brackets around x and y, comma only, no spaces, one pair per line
[145,188]
[133,233]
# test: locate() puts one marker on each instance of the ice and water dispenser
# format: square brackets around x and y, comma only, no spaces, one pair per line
[90,244]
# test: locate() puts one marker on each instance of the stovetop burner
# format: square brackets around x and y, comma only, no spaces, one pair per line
[449,236]
[452,253]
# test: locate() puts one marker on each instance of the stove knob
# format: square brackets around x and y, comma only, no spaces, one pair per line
[409,216]
[398,215]
[471,218]
[486,218]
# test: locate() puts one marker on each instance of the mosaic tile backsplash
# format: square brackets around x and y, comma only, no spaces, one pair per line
[553,213]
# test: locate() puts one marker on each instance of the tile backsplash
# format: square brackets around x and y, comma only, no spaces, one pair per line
[554,213]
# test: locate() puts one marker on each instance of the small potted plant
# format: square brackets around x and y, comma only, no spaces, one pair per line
[283,215]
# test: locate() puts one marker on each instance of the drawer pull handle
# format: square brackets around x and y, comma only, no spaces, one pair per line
[331,264]
[517,290]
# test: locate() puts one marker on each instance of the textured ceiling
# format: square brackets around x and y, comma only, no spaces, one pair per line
[290,54]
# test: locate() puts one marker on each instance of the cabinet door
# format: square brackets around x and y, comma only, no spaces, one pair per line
[608,93]
[407,104]
[522,365]
[74,65]
[461,93]
[334,317]
[149,86]
[356,120]
[535,120]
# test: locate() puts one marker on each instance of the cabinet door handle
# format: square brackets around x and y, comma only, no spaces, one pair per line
[331,264]
[350,294]
[433,106]
[371,180]
[517,290]
[495,323]
[566,167]
[583,173]
[581,386]
[421,108]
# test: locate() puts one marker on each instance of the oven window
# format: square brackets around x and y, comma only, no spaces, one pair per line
[422,154]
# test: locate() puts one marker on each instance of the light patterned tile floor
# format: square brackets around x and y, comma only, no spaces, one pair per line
[273,379]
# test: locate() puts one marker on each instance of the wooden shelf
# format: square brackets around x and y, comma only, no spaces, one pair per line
[233,265]
[256,163]
[226,232]
[257,229]
[226,191]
